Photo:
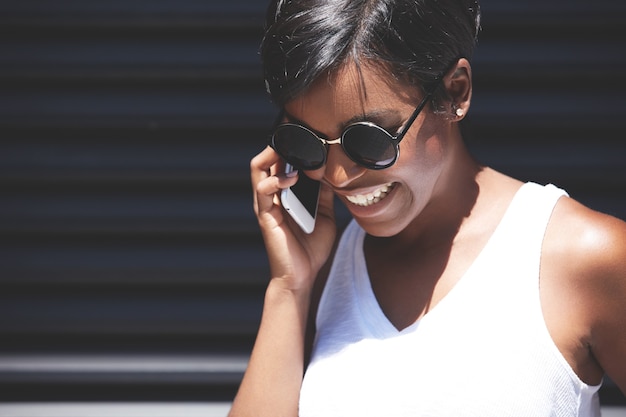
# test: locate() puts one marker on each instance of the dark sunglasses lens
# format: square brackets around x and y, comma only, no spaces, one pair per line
[299,147]
[370,146]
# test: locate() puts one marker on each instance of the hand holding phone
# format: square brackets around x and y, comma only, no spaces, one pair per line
[301,201]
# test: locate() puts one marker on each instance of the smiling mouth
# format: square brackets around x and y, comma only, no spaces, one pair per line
[374,197]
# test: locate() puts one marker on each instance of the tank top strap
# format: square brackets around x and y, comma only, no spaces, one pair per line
[530,210]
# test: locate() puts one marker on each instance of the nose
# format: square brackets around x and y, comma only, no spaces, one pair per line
[340,170]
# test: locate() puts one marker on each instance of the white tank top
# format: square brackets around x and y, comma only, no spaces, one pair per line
[482,351]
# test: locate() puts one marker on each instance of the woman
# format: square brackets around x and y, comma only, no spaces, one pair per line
[456,290]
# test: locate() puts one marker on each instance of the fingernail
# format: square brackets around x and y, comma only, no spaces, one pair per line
[292,174]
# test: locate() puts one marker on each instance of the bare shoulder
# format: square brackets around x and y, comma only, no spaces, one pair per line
[592,243]
[584,261]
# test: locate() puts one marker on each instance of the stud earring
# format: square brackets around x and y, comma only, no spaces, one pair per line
[459,112]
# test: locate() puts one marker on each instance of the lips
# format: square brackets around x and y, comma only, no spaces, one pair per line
[371,198]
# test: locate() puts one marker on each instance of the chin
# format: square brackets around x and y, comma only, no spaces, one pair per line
[381,229]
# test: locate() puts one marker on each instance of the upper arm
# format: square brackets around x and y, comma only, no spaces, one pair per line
[594,266]
[607,257]
[583,290]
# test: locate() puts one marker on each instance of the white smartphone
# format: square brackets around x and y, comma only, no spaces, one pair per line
[301,200]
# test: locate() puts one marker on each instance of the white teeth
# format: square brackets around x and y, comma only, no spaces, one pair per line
[370,198]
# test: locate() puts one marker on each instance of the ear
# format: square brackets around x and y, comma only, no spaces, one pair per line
[458,84]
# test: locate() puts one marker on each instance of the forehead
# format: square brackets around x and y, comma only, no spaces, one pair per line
[353,89]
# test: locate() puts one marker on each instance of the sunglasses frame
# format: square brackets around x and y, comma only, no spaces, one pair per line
[395,140]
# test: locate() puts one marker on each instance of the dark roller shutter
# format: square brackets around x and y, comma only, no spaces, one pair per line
[131,267]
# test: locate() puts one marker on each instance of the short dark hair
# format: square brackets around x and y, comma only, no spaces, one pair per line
[416,40]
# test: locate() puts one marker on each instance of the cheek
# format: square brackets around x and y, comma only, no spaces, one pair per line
[424,155]
[421,166]
[426,145]
[434,151]
[316,175]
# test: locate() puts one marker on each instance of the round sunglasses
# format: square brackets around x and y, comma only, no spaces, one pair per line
[366,143]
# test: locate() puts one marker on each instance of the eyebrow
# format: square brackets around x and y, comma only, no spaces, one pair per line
[386,118]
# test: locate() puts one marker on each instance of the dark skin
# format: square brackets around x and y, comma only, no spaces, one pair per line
[409,289]
[583,289]
[440,209]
